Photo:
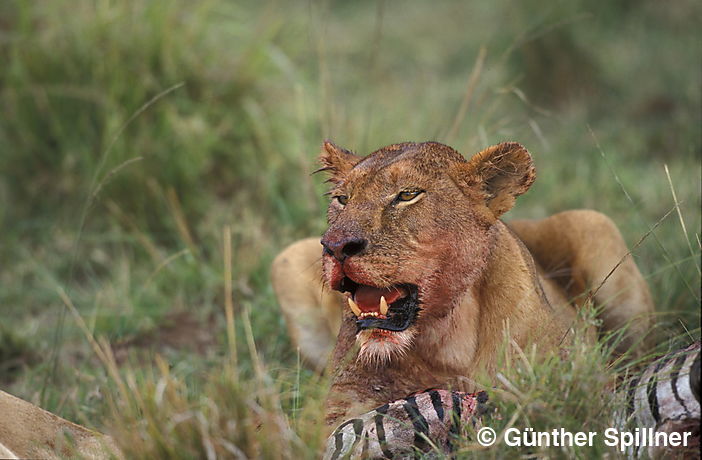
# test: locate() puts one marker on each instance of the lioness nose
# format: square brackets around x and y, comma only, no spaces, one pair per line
[345,247]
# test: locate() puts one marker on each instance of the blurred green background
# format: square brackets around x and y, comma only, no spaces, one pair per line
[133,133]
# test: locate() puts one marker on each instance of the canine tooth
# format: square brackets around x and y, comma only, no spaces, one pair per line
[354,308]
[383,306]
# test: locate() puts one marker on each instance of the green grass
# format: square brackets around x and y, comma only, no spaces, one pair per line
[133,133]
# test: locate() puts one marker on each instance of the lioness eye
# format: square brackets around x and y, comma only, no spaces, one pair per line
[408,195]
[342,199]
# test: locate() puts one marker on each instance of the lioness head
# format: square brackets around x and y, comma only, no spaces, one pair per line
[410,231]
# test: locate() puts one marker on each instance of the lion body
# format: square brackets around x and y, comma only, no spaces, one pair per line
[27,431]
[479,281]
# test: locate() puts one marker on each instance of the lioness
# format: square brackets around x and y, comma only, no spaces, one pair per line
[421,279]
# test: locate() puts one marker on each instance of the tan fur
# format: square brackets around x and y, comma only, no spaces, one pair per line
[478,277]
[297,271]
[26,431]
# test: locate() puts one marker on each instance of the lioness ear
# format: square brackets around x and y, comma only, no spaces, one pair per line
[336,161]
[502,172]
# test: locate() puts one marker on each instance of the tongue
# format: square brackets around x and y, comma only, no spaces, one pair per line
[368,297]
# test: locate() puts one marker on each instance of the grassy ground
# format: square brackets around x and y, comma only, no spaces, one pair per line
[136,138]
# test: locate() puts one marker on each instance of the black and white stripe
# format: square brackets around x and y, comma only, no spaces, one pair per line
[668,389]
[666,395]
[418,423]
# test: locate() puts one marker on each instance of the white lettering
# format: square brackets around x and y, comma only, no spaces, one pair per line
[611,439]
[512,441]
[626,439]
[622,440]
[580,439]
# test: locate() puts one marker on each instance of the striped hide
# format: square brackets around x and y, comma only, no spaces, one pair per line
[666,397]
[422,422]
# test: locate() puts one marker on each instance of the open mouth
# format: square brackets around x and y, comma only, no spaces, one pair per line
[392,309]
